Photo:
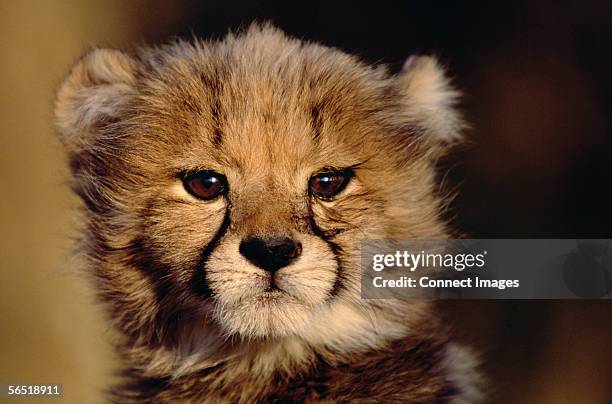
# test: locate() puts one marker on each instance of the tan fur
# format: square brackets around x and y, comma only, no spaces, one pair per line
[268,112]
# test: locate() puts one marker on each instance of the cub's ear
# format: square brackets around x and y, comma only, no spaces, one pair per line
[94,93]
[429,100]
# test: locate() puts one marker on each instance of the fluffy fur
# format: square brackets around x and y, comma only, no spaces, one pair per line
[267,111]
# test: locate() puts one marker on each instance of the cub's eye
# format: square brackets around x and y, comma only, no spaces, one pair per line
[205,185]
[327,184]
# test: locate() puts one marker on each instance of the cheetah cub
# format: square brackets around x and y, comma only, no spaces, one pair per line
[226,189]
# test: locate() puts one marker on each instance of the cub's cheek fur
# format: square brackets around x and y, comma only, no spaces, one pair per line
[200,323]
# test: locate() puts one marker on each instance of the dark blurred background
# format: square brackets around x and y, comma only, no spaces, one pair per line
[537,82]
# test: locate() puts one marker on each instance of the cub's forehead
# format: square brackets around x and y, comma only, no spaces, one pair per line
[261,90]
[266,64]
[265,76]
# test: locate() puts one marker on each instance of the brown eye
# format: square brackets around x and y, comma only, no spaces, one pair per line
[205,184]
[327,184]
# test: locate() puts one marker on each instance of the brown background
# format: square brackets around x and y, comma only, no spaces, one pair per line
[538,85]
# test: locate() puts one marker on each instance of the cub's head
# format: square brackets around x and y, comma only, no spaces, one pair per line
[227,185]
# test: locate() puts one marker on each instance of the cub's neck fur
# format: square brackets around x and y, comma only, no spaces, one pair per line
[425,368]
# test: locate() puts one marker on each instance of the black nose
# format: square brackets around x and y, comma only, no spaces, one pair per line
[270,253]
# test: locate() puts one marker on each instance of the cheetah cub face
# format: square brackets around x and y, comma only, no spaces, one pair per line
[227,185]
